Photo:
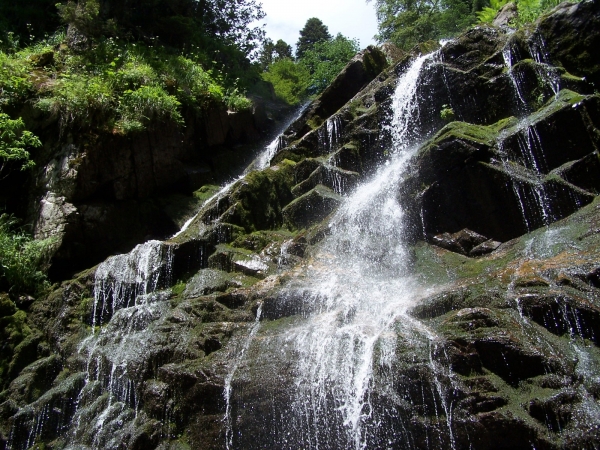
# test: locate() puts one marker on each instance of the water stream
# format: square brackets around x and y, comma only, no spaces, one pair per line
[354,305]
[130,295]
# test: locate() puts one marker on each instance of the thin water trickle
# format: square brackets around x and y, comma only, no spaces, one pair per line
[508,55]
[329,135]
[231,373]
[261,162]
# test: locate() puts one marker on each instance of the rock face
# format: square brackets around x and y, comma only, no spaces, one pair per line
[103,193]
[252,328]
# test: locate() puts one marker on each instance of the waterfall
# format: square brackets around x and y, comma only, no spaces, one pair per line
[329,135]
[130,299]
[355,297]
[261,162]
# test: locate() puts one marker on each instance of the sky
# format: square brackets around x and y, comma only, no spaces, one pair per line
[353,18]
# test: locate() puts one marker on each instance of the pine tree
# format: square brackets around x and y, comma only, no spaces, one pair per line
[314,31]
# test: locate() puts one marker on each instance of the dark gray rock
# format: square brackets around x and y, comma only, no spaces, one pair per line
[311,207]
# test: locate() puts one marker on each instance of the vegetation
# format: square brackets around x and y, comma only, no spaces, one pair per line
[14,142]
[320,58]
[272,52]
[289,79]
[325,59]
[107,66]
[212,24]
[407,23]
[21,259]
[314,31]
[527,10]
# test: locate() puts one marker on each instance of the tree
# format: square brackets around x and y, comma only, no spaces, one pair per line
[273,52]
[325,59]
[283,49]
[289,80]
[314,31]
[14,142]
[408,22]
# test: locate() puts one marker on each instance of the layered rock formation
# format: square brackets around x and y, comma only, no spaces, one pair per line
[481,268]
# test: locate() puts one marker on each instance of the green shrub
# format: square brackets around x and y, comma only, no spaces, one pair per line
[447,113]
[79,99]
[15,141]
[488,13]
[14,78]
[527,10]
[148,103]
[21,259]
[236,101]
[290,80]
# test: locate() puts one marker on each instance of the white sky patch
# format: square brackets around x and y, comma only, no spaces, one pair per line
[355,19]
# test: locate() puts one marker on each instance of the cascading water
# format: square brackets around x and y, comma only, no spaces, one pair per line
[329,135]
[127,302]
[359,291]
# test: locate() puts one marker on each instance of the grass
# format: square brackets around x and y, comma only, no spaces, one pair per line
[21,259]
[119,85]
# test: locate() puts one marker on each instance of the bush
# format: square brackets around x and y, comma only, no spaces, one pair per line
[325,60]
[21,259]
[14,79]
[290,80]
[236,101]
[14,142]
[528,10]
[148,103]
[79,99]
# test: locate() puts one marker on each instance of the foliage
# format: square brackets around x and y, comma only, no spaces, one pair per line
[14,81]
[314,31]
[237,102]
[82,15]
[409,22]
[14,142]
[272,52]
[321,62]
[131,86]
[289,79]
[27,20]
[447,113]
[488,13]
[79,99]
[144,105]
[326,59]
[527,10]
[21,259]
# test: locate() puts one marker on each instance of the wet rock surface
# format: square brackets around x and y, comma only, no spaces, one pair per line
[195,342]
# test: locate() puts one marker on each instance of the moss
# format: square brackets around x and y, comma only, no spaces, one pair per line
[206,192]
[259,198]
[272,327]
[374,62]
[178,288]
[481,134]
[7,306]
[315,122]
[258,240]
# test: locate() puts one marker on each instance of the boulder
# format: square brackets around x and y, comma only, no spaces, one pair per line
[507,14]
[561,34]
[360,71]
[463,241]
[311,207]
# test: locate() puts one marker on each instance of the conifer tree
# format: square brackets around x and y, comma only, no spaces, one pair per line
[314,31]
